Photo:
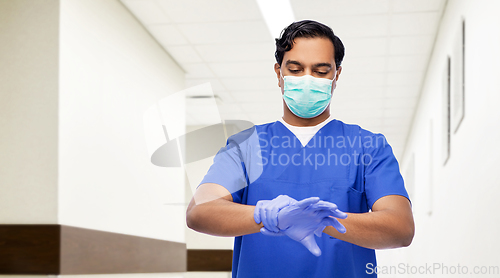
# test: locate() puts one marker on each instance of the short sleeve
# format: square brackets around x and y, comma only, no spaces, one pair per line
[228,170]
[382,176]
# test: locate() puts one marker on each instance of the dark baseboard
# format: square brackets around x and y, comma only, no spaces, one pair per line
[29,249]
[62,250]
[209,260]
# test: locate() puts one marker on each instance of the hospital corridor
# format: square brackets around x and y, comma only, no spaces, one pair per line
[249,138]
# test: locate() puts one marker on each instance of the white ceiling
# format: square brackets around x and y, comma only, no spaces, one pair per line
[226,42]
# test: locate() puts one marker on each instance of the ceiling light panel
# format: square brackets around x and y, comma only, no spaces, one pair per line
[276,21]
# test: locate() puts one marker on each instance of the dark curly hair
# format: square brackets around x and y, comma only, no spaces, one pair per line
[307,29]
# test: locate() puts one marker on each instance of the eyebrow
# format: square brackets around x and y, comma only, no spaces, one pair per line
[323,65]
[288,62]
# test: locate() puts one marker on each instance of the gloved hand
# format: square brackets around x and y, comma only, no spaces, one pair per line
[335,212]
[300,220]
[266,211]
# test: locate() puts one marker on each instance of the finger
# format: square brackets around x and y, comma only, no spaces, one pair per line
[292,201]
[273,220]
[322,214]
[319,231]
[329,221]
[339,227]
[310,243]
[281,198]
[268,221]
[266,232]
[307,202]
[339,214]
[326,205]
[336,213]
[265,220]
[256,212]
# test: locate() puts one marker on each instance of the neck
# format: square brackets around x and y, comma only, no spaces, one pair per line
[292,119]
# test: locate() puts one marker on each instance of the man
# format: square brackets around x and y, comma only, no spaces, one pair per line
[278,185]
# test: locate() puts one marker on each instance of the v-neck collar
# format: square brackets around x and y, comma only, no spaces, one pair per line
[311,139]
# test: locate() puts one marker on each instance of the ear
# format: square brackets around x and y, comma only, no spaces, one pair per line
[277,69]
[339,70]
[337,74]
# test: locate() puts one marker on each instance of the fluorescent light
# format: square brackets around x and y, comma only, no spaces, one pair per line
[278,14]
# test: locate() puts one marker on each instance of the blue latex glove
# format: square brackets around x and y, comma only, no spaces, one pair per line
[335,212]
[266,211]
[301,220]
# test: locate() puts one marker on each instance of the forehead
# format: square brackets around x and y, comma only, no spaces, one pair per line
[310,51]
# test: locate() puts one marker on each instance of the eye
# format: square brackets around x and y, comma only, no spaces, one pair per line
[294,71]
[321,73]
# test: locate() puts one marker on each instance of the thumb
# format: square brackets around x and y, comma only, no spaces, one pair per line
[330,221]
[319,231]
[310,243]
[256,213]
[266,232]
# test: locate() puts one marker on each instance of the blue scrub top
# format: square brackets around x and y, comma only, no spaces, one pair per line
[342,163]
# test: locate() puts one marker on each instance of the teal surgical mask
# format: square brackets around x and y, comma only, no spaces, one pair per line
[307,96]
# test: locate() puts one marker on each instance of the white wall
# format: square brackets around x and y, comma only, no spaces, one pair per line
[111,72]
[76,78]
[28,111]
[455,204]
